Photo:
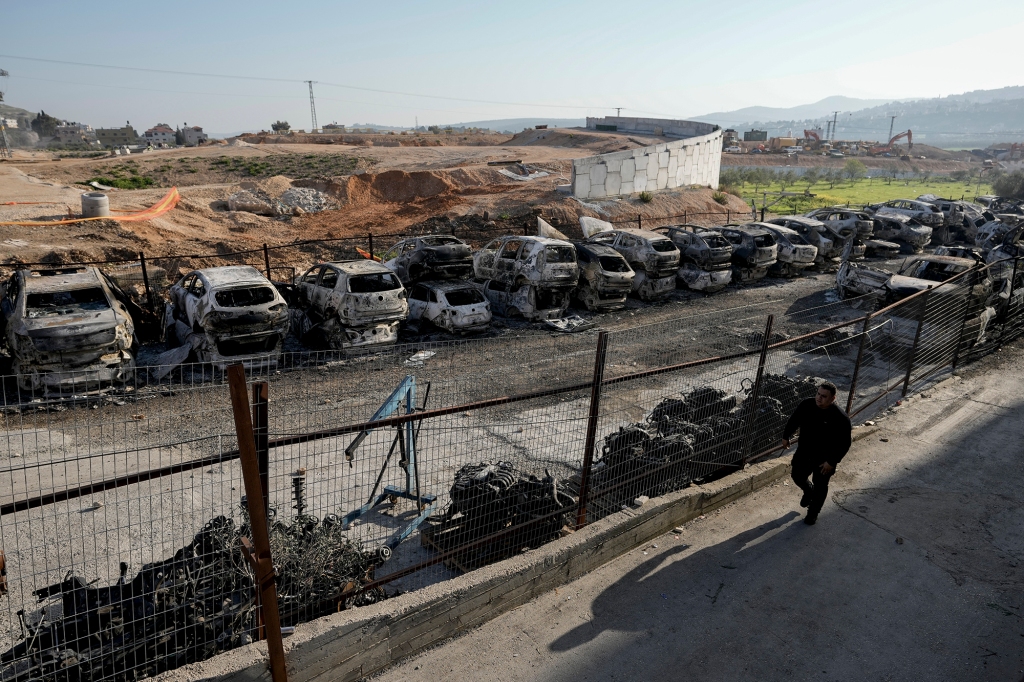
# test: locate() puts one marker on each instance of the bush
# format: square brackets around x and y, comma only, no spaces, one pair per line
[133,182]
[1010,185]
[646,197]
[721,198]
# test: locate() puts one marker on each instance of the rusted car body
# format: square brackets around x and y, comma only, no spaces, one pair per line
[819,235]
[540,261]
[605,277]
[456,307]
[795,254]
[349,304]
[432,256]
[653,257]
[65,330]
[903,230]
[754,250]
[228,314]
[705,257]
[530,302]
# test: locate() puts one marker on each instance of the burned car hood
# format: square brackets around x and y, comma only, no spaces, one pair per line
[73,332]
[902,286]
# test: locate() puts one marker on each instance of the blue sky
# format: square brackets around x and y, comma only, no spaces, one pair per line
[524,58]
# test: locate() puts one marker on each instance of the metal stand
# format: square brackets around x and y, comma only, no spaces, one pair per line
[405,440]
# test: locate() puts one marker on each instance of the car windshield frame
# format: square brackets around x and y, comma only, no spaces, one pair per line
[373,283]
[67,302]
[244,297]
[473,297]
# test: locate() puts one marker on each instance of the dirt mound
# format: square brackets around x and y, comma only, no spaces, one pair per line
[401,187]
[598,143]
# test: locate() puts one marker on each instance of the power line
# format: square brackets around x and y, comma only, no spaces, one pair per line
[298,80]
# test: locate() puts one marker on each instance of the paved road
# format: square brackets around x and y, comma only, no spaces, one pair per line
[913,572]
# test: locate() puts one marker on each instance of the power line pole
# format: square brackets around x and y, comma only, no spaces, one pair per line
[835,114]
[312,104]
[618,112]
[891,124]
[5,147]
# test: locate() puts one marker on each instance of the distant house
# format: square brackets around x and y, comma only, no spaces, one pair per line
[192,135]
[755,136]
[115,137]
[69,132]
[160,135]
[9,123]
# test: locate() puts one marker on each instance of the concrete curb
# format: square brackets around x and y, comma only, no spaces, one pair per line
[356,643]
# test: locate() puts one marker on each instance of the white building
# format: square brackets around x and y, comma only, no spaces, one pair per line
[193,135]
[9,123]
[160,135]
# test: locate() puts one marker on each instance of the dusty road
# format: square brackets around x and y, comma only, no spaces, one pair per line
[913,571]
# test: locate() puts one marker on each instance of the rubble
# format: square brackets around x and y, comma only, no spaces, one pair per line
[307,199]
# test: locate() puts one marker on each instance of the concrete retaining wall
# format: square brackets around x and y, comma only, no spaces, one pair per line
[353,644]
[695,160]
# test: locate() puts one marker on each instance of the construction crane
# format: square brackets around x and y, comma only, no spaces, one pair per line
[887,149]
[312,104]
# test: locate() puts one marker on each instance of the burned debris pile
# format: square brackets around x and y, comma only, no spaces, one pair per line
[691,438]
[188,608]
[496,511]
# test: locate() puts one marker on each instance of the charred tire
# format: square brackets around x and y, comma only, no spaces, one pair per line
[512,311]
[587,296]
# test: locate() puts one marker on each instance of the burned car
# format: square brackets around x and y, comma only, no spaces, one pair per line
[916,274]
[605,277]
[906,231]
[456,307]
[530,302]
[794,252]
[705,257]
[839,218]
[540,261]
[432,256]
[66,330]
[753,250]
[879,248]
[653,257]
[924,213]
[816,233]
[348,304]
[227,314]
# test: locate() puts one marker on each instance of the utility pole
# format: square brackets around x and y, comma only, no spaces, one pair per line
[891,124]
[312,104]
[835,114]
[618,112]
[5,147]
[828,129]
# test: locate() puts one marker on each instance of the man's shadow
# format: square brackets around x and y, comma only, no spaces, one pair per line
[619,608]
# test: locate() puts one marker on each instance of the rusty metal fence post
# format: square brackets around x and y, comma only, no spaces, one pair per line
[1010,312]
[755,391]
[917,340]
[266,259]
[369,239]
[591,439]
[145,281]
[639,222]
[856,367]
[260,432]
[257,552]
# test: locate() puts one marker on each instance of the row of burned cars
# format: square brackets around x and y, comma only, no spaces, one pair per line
[66,326]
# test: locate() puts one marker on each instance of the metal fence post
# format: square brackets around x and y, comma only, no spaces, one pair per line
[369,238]
[266,259]
[728,216]
[258,555]
[1009,302]
[145,280]
[755,391]
[639,222]
[917,339]
[591,439]
[960,336]
[856,367]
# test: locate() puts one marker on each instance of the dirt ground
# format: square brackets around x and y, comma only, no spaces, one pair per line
[384,190]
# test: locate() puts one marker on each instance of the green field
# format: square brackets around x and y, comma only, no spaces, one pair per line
[856,193]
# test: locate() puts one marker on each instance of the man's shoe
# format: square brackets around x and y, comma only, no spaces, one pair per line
[811,519]
[805,500]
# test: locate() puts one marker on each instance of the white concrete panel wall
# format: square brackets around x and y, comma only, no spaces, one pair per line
[692,161]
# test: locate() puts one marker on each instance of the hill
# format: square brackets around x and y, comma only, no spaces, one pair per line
[818,109]
[515,125]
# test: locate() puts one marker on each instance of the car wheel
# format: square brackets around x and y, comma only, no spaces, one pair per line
[512,311]
[587,297]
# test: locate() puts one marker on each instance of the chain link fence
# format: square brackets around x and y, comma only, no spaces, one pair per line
[145,528]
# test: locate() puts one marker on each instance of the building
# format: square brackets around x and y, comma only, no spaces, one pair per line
[69,132]
[730,137]
[9,123]
[160,135]
[116,137]
[755,136]
[192,135]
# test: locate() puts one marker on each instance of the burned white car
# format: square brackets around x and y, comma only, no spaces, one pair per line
[795,254]
[605,277]
[923,212]
[540,261]
[432,256]
[227,314]
[826,240]
[456,307]
[653,257]
[840,218]
[754,250]
[530,302]
[705,257]
[65,330]
[903,230]
[348,304]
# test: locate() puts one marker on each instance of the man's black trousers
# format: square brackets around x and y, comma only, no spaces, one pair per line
[818,486]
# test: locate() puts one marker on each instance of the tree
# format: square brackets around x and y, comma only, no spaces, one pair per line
[787,179]
[45,125]
[832,176]
[1009,185]
[280,126]
[854,169]
[811,177]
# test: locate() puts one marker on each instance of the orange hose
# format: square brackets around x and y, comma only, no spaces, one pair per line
[169,201]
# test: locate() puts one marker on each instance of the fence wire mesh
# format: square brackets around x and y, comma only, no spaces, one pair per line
[121,511]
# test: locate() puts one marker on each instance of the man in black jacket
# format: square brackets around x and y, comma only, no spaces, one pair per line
[824,441]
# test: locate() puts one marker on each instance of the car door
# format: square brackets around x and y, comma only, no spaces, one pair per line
[194,295]
[483,262]
[419,296]
[505,261]
[9,303]
[325,286]
[392,260]
[306,286]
